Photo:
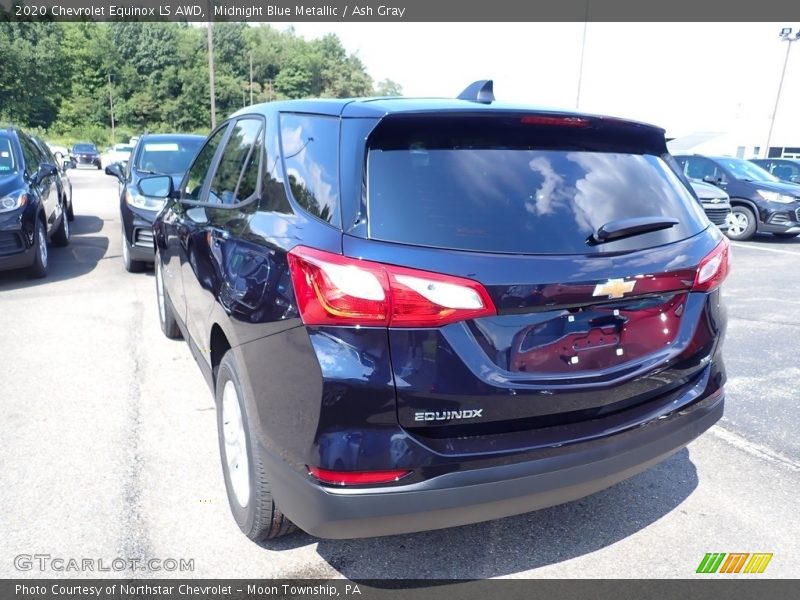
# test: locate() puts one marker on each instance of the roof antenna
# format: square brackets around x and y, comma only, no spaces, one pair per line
[481,91]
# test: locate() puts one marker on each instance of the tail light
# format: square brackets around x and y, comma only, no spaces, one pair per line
[337,290]
[557,121]
[357,477]
[713,269]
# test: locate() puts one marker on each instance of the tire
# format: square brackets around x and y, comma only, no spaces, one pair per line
[741,223]
[61,235]
[166,315]
[41,262]
[70,212]
[131,266]
[248,490]
[785,236]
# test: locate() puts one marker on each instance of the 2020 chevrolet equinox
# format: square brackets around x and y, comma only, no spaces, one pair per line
[418,314]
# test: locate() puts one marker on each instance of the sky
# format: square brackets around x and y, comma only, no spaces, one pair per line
[685,77]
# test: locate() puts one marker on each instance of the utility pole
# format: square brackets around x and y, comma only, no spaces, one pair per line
[251,78]
[786,36]
[211,91]
[583,49]
[111,104]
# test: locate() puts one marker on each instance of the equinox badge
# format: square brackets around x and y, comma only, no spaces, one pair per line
[613,288]
[448,415]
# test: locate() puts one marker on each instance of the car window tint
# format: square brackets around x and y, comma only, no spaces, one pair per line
[310,155]
[7,163]
[196,175]
[31,154]
[485,186]
[236,164]
[248,180]
[167,156]
[698,168]
[273,190]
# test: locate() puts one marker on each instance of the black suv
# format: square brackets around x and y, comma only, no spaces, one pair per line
[155,153]
[33,203]
[86,153]
[785,169]
[417,314]
[760,202]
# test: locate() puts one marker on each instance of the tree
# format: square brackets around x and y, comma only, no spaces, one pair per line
[59,75]
[387,87]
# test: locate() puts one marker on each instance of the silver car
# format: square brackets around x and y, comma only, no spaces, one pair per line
[716,203]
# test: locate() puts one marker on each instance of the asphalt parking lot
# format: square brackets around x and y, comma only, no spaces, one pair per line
[110,448]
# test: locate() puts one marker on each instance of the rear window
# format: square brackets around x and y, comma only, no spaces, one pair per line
[475,185]
[7,163]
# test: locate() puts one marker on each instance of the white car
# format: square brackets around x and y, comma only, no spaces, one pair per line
[119,154]
[58,151]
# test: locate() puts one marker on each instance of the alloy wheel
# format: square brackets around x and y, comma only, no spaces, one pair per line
[235,444]
[737,223]
[42,244]
[159,288]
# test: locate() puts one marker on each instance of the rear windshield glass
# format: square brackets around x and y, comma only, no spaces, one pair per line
[7,163]
[168,157]
[490,189]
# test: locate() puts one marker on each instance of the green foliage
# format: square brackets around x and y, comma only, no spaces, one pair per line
[61,77]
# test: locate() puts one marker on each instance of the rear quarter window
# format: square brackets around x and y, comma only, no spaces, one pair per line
[310,145]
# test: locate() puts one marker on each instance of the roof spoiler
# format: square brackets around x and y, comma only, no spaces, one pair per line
[480,91]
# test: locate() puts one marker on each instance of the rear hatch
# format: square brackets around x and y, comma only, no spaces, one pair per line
[576,329]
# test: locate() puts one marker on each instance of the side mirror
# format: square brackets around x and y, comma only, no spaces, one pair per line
[67,163]
[115,169]
[713,180]
[158,186]
[45,170]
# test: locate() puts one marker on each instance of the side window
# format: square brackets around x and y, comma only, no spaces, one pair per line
[311,163]
[31,154]
[273,190]
[236,178]
[698,168]
[44,152]
[196,175]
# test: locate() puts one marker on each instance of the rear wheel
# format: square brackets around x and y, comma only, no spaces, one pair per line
[741,223]
[61,235]
[246,483]
[785,236]
[166,316]
[40,261]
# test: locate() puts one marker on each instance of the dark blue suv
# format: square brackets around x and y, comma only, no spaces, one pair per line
[416,314]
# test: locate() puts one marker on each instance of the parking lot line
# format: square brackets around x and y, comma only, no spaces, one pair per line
[751,247]
[756,450]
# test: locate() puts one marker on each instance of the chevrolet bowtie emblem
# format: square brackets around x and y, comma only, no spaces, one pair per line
[614,288]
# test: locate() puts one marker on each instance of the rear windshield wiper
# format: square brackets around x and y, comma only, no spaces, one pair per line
[615,230]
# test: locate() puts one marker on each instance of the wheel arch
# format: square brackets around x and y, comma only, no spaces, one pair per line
[746,203]
[218,345]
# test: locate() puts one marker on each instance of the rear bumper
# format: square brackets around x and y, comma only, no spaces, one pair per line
[556,476]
